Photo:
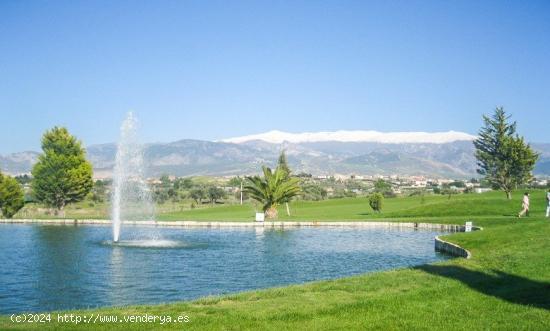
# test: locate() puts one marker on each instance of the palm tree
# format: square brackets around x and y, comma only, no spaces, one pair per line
[273,189]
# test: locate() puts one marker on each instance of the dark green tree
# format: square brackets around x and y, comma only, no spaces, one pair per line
[160,196]
[282,164]
[502,155]
[173,194]
[198,194]
[11,196]
[62,174]
[23,179]
[215,193]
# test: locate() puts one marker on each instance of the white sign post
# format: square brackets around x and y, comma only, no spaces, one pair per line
[468,227]
[260,217]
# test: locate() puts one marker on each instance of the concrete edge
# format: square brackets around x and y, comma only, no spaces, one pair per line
[453,249]
[268,224]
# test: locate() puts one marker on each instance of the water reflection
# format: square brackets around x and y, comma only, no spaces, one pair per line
[259,232]
[60,259]
[65,267]
[117,275]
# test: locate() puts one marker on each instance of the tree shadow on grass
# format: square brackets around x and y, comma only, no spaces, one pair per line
[514,289]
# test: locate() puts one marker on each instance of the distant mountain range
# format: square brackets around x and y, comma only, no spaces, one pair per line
[442,154]
[279,137]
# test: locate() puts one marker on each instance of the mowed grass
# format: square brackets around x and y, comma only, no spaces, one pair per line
[491,204]
[504,286]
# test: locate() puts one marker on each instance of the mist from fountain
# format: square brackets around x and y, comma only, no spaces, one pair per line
[131,197]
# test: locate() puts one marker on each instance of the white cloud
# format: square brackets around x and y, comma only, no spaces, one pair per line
[278,137]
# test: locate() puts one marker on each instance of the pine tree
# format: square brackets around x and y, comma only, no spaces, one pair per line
[283,165]
[62,174]
[503,157]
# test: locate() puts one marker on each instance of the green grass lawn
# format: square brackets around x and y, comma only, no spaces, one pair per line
[492,204]
[504,286]
[459,207]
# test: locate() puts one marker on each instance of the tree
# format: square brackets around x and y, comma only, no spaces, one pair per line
[235,181]
[384,187]
[381,186]
[502,155]
[283,165]
[448,191]
[273,189]
[11,196]
[165,182]
[215,193]
[198,194]
[375,201]
[23,179]
[160,196]
[304,175]
[313,192]
[172,194]
[98,191]
[62,174]
[183,183]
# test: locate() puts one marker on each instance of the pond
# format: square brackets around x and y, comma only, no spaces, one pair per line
[57,267]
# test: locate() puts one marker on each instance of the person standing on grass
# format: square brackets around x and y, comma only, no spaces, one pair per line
[548,203]
[524,205]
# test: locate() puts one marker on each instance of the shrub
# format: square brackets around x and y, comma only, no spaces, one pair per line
[375,201]
[11,196]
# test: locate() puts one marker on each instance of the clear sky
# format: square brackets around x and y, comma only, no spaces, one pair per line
[218,69]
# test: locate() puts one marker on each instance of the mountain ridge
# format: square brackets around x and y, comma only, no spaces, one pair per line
[189,157]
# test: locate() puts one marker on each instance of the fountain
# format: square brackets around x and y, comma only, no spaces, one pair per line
[131,197]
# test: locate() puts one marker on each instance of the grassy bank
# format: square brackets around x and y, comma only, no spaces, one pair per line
[505,286]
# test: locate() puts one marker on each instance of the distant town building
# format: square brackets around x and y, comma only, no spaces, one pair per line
[482,189]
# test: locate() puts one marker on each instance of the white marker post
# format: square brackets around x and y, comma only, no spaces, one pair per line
[468,227]
[241,192]
[260,217]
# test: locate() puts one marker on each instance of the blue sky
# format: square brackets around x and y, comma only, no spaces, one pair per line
[217,69]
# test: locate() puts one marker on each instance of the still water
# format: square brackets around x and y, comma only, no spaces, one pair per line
[56,267]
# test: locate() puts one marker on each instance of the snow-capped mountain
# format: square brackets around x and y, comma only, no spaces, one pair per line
[278,137]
